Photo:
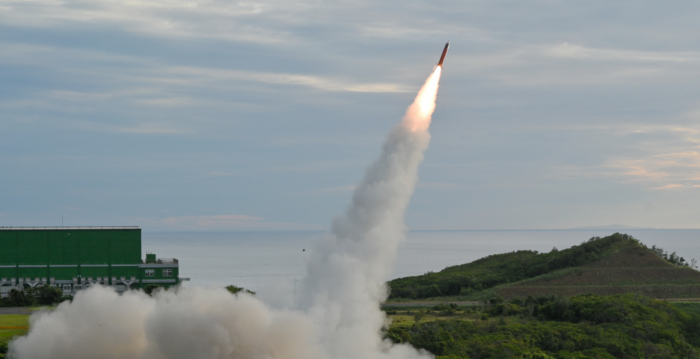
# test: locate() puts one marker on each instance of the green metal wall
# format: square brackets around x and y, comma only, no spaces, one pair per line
[70,247]
[67,253]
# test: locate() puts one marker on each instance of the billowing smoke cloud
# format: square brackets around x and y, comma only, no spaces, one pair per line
[190,323]
[338,314]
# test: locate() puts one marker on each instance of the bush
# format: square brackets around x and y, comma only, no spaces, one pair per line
[466,291]
[19,298]
[513,309]
[439,307]
[644,328]
[234,290]
[46,294]
[433,291]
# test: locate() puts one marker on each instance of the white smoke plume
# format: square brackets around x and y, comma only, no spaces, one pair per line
[346,276]
[338,314]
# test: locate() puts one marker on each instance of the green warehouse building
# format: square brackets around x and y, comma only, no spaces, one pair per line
[74,258]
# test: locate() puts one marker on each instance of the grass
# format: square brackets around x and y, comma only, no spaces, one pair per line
[12,325]
[45,307]
[14,320]
[410,320]
[406,316]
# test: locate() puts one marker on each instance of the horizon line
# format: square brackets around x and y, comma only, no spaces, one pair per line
[424,230]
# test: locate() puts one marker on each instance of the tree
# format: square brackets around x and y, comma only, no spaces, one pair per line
[46,294]
[234,290]
[151,288]
[658,251]
[18,298]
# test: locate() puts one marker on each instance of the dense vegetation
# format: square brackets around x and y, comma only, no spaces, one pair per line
[499,269]
[586,326]
[39,295]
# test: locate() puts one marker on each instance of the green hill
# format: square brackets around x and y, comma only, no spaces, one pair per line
[611,265]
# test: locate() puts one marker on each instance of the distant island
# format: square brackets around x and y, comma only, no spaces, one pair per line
[614,226]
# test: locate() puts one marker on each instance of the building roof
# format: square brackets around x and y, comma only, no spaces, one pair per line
[67,228]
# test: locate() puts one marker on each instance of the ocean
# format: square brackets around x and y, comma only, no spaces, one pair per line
[260,260]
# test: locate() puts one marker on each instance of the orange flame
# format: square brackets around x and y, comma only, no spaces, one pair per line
[418,115]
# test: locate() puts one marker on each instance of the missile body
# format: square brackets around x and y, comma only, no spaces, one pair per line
[444,52]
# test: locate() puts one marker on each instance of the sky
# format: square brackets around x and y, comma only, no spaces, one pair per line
[263,115]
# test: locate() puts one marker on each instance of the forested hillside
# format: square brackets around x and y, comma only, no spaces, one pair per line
[529,272]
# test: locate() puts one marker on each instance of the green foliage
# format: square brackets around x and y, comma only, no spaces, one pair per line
[494,270]
[45,294]
[18,298]
[151,288]
[586,326]
[689,307]
[418,316]
[672,258]
[39,295]
[233,289]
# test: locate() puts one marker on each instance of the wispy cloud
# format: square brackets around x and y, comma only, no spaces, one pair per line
[567,50]
[203,75]
[672,186]
[653,157]
[667,158]
[176,18]
[643,169]
[571,64]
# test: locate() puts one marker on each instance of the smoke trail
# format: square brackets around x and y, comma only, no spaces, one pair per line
[338,315]
[346,277]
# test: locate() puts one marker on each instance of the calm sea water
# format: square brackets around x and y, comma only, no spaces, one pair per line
[257,260]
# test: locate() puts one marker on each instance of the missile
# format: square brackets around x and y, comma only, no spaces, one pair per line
[444,52]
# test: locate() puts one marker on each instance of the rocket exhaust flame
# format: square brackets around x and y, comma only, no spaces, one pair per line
[338,314]
[419,114]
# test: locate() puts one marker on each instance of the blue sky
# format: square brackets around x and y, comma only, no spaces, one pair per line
[222,115]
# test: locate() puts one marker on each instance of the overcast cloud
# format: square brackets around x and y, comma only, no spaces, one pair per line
[211,115]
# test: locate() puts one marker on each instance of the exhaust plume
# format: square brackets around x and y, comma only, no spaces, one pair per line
[346,275]
[337,315]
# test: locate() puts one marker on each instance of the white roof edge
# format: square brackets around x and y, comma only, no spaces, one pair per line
[65,228]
